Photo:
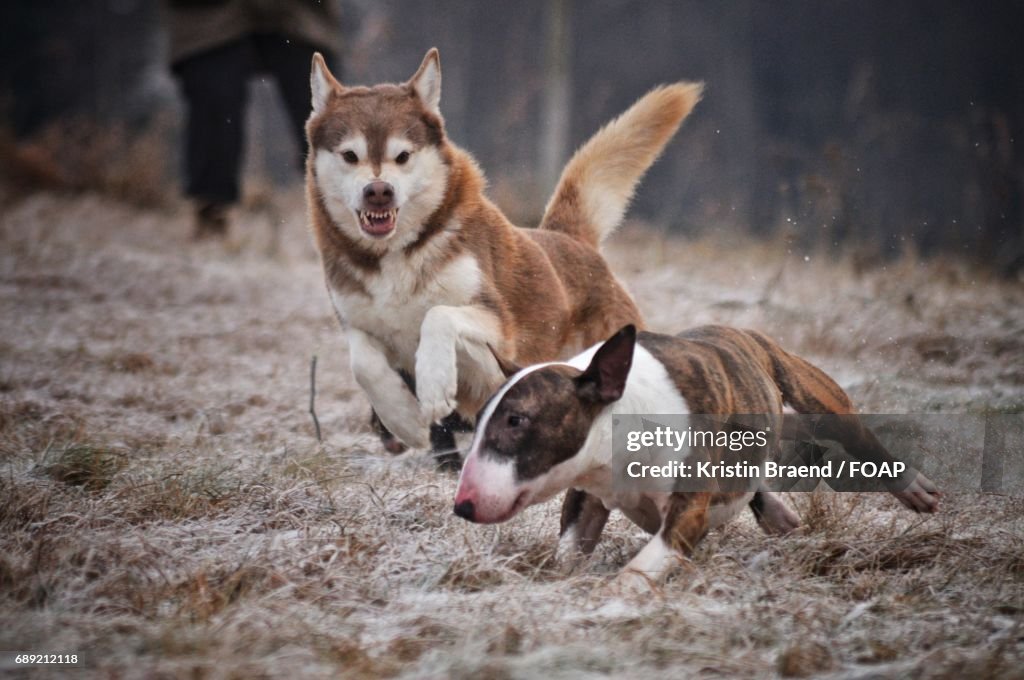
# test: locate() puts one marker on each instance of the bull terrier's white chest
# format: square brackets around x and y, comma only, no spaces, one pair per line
[398,297]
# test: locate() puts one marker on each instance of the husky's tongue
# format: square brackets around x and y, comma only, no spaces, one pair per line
[378,223]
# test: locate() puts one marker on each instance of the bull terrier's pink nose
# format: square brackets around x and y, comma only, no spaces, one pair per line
[465,500]
[465,510]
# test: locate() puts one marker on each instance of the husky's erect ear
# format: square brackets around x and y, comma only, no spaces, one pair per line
[322,83]
[604,381]
[427,81]
[508,368]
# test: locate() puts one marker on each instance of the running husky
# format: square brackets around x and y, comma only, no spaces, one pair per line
[428,277]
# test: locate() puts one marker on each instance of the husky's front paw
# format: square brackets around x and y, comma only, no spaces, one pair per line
[437,396]
[410,429]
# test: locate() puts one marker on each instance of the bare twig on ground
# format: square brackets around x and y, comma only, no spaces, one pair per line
[312,398]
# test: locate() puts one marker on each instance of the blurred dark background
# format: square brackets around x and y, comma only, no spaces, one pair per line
[886,126]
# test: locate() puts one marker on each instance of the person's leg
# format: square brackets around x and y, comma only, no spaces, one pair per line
[215,84]
[289,61]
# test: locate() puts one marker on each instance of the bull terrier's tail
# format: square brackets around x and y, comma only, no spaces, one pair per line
[808,390]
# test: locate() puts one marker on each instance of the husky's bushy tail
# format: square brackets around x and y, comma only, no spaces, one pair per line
[598,182]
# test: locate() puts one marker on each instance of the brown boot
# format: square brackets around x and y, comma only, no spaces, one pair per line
[211,221]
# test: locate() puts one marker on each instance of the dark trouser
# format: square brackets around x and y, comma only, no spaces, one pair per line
[215,84]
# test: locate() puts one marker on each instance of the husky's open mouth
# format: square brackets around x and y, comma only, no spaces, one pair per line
[378,224]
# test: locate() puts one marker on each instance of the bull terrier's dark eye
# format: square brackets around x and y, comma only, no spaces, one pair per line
[402,158]
[350,157]
[515,421]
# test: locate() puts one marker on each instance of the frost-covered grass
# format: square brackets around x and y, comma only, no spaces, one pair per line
[165,509]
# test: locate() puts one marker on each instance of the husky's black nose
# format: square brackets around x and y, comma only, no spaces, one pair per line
[465,510]
[378,195]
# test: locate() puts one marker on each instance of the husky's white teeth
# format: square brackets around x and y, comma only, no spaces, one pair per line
[366,215]
[378,223]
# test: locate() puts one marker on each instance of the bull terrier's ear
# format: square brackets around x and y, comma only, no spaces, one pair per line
[604,381]
[427,81]
[321,83]
[508,368]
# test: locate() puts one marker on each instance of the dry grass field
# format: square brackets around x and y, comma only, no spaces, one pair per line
[166,511]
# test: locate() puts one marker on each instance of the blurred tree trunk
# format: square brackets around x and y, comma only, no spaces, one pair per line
[557,94]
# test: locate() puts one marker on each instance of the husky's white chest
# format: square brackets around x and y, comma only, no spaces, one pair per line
[398,297]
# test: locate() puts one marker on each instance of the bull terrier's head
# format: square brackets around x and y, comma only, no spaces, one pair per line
[377,154]
[531,433]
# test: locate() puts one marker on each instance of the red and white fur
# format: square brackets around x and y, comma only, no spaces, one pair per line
[427,276]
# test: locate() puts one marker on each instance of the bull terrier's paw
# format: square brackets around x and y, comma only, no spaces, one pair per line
[776,519]
[629,584]
[921,495]
[566,562]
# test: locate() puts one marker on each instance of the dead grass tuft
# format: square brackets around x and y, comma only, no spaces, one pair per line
[510,641]
[998,663]
[27,427]
[824,512]
[467,575]
[353,658]
[425,635]
[206,594]
[86,465]
[179,496]
[130,362]
[805,659]
[21,504]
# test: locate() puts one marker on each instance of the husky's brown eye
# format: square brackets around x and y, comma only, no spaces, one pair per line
[350,157]
[515,421]
[402,158]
